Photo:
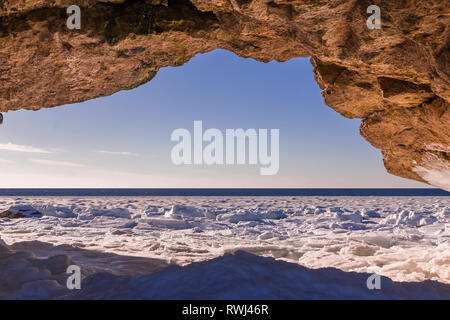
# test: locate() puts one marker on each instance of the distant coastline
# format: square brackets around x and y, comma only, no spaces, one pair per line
[334,192]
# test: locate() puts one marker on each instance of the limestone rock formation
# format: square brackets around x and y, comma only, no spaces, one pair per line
[397,79]
[20,211]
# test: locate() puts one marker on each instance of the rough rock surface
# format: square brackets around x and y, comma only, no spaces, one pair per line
[396,79]
[16,212]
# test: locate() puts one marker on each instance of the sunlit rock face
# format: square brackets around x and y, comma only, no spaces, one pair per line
[396,79]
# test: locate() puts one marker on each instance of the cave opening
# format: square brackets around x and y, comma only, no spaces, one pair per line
[124,140]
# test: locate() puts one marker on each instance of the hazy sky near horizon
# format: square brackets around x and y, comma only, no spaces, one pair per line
[123,141]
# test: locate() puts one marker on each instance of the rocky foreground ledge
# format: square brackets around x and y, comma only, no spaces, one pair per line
[240,275]
[396,79]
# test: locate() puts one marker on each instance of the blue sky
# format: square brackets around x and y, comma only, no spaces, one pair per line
[124,140]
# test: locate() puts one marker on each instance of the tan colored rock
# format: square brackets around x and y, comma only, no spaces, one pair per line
[397,79]
[17,212]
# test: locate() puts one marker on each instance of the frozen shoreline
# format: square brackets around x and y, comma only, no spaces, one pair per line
[407,238]
[240,275]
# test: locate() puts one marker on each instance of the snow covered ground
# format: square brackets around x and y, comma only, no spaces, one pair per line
[402,238]
[240,275]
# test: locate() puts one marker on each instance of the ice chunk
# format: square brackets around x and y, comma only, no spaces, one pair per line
[152,211]
[169,223]
[405,217]
[367,213]
[241,215]
[354,217]
[273,214]
[266,235]
[57,211]
[129,225]
[116,213]
[181,211]
[444,213]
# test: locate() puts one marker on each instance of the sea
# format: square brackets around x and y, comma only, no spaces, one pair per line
[334,192]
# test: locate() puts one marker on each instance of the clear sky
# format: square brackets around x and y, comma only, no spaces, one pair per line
[124,140]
